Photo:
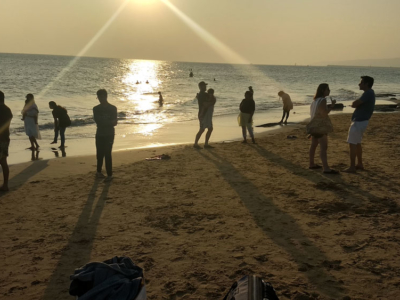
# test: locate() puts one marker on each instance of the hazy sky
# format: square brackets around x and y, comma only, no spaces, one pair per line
[260,31]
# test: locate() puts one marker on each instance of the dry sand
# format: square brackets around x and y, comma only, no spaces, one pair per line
[205,218]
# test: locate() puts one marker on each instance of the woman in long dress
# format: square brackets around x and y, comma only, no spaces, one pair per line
[30,115]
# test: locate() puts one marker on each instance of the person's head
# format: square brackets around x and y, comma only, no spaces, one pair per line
[102,95]
[1,97]
[52,105]
[159,93]
[210,91]
[281,93]
[248,95]
[30,97]
[202,86]
[250,88]
[322,91]
[366,83]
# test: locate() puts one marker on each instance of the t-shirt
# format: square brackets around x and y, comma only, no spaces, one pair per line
[5,120]
[105,116]
[247,106]
[202,98]
[365,110]
[62,116]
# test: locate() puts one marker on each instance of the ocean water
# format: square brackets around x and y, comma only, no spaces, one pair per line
[73,83]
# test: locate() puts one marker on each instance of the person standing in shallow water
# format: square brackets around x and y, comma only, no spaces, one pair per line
[287,105]
[245,119]
[205,102]
[160,99]
[5,121]
[61,122]
[105,116]
[30,115]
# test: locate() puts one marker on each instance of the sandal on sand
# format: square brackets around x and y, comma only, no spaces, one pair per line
[315,167]
[331,172]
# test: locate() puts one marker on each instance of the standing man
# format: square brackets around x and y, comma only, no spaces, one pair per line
[5,121]
[61,122]
[205,102]
[105,116]
[364,107]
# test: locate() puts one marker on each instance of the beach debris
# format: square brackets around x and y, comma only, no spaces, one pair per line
[159,157]
[291,137]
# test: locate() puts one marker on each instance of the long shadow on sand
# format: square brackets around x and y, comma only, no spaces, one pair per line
[77,251]
[23,176]
[279,227]
[332,183]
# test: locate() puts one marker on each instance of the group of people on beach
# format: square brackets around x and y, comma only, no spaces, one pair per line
[105,116]
[318,128]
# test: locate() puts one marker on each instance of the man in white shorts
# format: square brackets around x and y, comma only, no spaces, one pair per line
[364,107]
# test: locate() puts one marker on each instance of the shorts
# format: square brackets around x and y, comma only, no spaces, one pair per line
[4,149]
[356,132]
[317,136]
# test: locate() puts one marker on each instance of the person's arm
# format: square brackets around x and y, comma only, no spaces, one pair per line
[357,103]
[323,108]
[114,120]
[253,108]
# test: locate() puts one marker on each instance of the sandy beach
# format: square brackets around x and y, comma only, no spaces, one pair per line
[201,220]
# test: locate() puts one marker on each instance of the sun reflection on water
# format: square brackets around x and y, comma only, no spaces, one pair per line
[141,85]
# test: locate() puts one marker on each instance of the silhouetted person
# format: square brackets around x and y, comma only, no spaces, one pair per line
[160,99]
[287,105]
[191,73]
[105,116]
[30,114]
[205,102]
[245,119]
[147,81]
[5,121]
[61,122]
[364,108]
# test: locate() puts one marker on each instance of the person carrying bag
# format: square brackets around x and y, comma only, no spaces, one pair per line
[319,128]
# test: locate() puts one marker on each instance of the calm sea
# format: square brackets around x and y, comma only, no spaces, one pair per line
[73,83]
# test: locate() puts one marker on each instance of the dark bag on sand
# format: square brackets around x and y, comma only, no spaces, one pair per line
[320,124]
[115,279]
[251,287]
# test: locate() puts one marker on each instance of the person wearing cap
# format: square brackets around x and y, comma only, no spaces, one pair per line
[205,102]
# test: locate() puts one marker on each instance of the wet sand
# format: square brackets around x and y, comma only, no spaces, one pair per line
[205,218]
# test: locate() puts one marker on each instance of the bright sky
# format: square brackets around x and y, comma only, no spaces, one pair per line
[259,31]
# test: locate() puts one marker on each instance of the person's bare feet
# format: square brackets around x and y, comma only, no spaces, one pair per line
[350,170]
[244,142]
[4,188]
[53,142]
[208,146]
[360,167]
[196,146]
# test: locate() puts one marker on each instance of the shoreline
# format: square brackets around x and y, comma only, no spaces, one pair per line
[181,133]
